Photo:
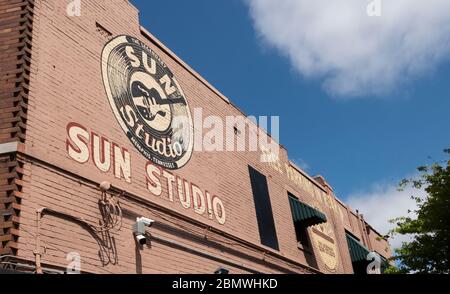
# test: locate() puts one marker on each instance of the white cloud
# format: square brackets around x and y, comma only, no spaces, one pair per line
[356,55]
[382,203]
[300,162]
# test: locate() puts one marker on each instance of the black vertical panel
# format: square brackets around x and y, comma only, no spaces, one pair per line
[263,208]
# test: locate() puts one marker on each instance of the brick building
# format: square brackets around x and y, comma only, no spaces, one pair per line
[96,131]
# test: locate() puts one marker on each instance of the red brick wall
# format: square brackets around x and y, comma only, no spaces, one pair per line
[66,86]
[16,25]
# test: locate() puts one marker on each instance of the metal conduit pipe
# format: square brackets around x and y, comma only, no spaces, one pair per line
[204,253]
[148,204]
[31,267]
[37,251]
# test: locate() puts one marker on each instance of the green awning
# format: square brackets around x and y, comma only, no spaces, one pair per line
[358,252]
[304,214]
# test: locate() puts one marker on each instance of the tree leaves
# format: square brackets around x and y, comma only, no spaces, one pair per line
[429,251]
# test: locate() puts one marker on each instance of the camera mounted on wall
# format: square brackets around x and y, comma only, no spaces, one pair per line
[139,229]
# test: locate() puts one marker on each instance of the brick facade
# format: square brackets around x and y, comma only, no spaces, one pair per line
[51,77]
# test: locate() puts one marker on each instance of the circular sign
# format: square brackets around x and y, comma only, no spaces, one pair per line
[148,102]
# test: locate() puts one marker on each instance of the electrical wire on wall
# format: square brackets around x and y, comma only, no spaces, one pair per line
[111,213]
[112,216]
[46,247]
[111,219]
[265,255]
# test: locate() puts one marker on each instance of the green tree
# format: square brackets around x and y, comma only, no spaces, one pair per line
[429,250]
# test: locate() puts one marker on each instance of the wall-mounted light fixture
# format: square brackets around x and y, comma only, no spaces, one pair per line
[105,186]
[221,271]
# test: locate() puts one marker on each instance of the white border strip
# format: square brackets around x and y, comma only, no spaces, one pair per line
[6,148]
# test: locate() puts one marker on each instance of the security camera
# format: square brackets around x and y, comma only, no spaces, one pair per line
[146,221]
[141,239]
[139,229]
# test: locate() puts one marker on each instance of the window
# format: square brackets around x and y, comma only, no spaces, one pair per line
[263,207]
[302,237]
[301,232]
[303,217]
[358,254]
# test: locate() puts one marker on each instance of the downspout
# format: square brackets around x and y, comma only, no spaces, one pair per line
[37,250]
[361,226]
[369,244]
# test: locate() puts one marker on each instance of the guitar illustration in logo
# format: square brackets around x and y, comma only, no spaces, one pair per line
[148,102]
[151,102]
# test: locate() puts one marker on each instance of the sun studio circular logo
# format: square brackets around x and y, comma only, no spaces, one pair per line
[148,102]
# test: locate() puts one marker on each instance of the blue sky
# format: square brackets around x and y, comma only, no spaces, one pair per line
[358,142]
